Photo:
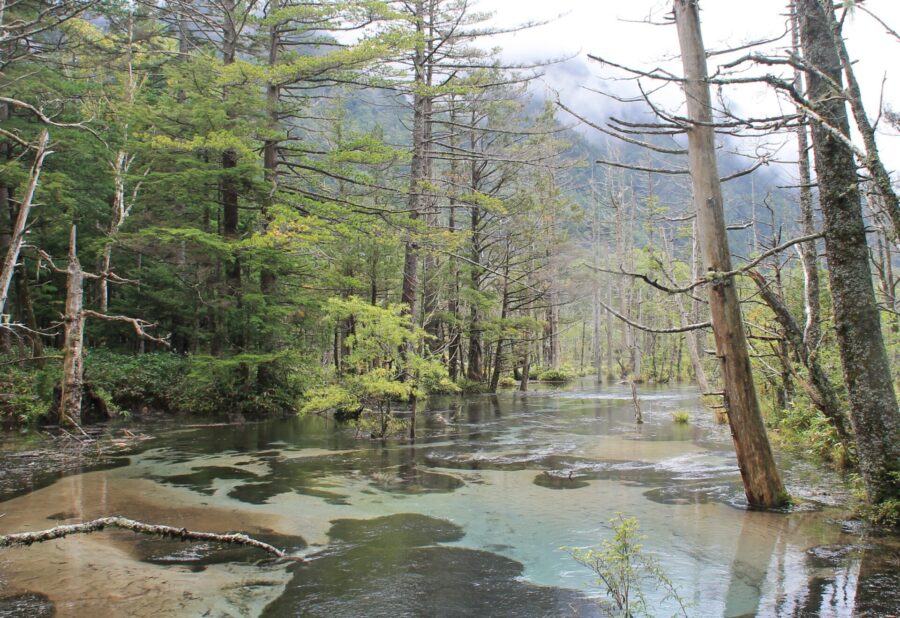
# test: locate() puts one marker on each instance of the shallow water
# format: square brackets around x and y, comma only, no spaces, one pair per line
[469,521]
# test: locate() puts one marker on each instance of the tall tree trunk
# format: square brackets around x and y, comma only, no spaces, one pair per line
[762,482]
[73,349]
[880,176]
[807,250]
[268,278]
[455,336]
[697,339]
[597,360]
[475,367]
[17,235]
[554,347]
[867,373]
[229,182]
[23,292]
[431,281]
[504,309]
[418,169]
[120,167]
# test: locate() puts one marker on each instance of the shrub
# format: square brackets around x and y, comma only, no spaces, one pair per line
[27,391]
[681,417]
[507,381]
[563,374]
[157,380]
[471,387]
[624,570]
[382,368]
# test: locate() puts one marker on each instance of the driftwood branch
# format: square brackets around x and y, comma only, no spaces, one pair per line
[97,525]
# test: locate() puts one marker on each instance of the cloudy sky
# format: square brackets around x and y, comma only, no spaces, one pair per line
[608,28]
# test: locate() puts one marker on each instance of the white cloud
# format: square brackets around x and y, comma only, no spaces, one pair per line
[609,29]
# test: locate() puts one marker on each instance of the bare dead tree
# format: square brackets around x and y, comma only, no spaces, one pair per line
[19,228]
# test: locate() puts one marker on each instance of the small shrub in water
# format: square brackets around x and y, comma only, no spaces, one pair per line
[556,375]
[625,570]
[507,381]
[682,417]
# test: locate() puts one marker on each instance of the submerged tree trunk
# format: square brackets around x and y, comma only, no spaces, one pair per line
[873,404]
[762,482]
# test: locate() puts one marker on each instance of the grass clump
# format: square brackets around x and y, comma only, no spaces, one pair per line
[681,417]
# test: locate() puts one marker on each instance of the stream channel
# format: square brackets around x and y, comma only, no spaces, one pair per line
[469,521]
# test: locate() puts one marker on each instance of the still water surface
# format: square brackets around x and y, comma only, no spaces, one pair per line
[469,521]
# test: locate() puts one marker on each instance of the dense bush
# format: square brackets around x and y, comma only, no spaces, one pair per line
[563,374]
[26,391]
[163,382]
[157,381]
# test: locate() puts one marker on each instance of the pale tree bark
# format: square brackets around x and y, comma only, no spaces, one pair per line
[17,237]
[504,310]
[596,345]
[120,167]
[73,351]
[6,217]
[97,525]
[693,339]
[697,339]
[72,388]
[873,405]
[455,336]
[555,347]
[762,482]
[807,250]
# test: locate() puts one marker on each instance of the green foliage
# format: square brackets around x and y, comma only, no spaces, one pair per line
[681,417]
[802,428]
[157,381]
[563,374]
[507,382]
[26,392]
[471,387]
[383,367]
[885,513]
[625,571]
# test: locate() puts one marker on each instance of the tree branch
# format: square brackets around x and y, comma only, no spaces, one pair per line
[97,525]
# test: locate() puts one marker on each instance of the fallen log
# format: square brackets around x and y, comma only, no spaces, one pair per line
[97,525]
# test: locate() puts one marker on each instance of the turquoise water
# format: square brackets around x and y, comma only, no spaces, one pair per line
[468,521]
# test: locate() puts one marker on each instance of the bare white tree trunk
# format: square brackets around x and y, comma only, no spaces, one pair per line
[18,232]
[73,350]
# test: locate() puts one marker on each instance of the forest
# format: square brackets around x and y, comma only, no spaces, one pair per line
[357,240]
